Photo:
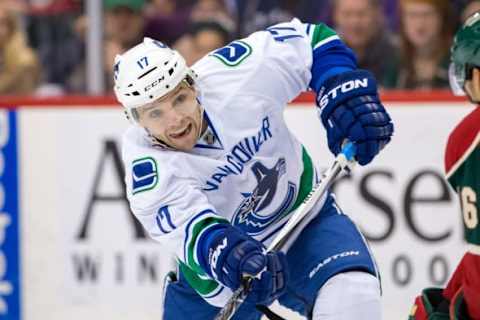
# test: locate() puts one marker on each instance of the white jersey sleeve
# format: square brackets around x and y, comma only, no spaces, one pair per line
[167,199]
[275,63]
[169,204]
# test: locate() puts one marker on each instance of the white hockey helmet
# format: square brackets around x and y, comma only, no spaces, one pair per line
[147,72]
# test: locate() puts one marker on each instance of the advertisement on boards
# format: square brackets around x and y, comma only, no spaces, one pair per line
[10,282]
[84,254]
[86,257]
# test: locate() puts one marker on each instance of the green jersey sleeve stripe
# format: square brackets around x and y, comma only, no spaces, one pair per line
[195,230]
[208,224]
[202,286]
[321,34]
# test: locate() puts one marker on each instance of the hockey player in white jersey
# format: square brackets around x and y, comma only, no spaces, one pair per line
[213,172]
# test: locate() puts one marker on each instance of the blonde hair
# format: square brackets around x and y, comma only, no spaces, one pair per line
[21,68]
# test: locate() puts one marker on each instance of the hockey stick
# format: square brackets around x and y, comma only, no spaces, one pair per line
[343,161]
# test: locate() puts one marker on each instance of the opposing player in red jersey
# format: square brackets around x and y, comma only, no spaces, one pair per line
[460,300]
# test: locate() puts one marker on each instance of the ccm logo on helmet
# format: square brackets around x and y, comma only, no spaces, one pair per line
[344,88]
[154,83]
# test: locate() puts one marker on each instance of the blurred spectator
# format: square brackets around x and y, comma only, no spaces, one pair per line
[210,27]
[254,15]
[160,7]
[19,66]
[167,20]
[360,23]
[212,10]
[312,11]
[390,9]
[50,30]
[425,35]
[124,24]
[124,27]
[469,9]
[203,37]
[16,6]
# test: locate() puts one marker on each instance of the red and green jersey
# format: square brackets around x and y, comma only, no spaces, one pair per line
[462,165]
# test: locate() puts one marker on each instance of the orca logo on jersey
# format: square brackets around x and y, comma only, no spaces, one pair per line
[144,174]
[344,88]
[248,216]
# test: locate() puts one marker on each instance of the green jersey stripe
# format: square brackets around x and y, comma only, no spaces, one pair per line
[321,35]
[306,180]
[196,230]
[470,149]
[202,286]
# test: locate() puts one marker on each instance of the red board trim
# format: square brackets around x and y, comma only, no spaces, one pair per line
[74,101]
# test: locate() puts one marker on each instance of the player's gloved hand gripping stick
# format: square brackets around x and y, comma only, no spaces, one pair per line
[344,161]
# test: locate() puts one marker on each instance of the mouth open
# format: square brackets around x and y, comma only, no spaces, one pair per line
[183,133]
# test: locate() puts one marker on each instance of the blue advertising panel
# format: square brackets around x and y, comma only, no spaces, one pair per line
[9,219]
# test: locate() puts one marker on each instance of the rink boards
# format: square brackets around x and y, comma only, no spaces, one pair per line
[70,249]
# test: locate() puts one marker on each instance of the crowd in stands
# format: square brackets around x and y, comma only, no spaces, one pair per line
[405,43]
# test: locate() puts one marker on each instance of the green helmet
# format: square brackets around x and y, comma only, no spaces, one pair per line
[465,53]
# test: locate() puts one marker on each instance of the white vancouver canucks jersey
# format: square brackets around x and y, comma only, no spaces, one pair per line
[248,169]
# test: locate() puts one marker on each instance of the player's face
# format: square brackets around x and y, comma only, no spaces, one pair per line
[174,119]
[472,86]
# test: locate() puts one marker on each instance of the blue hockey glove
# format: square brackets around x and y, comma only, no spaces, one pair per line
[232,254]
[272,282]
[351,109]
